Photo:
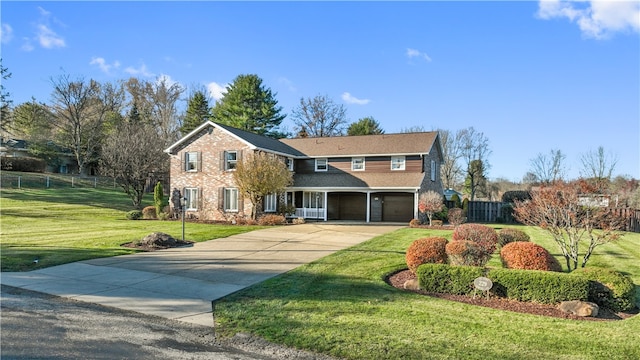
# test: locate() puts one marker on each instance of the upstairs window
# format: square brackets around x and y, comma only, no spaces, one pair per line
[230,160]
[357,164]
[289,163]
[433,170]
[321,165]
[397,163]
[191,161]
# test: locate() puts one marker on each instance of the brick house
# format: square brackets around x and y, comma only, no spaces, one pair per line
[368,178]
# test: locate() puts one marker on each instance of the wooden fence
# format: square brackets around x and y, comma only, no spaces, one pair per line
[499,212]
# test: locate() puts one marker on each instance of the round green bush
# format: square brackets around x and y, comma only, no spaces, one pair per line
[609,288]
[426,250]
[134,215]
[528,256]
[509,235]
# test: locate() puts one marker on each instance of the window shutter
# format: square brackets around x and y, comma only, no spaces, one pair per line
[199,161]
[240,202]
[223,158]
[183,160]
[200,200]
[221,199]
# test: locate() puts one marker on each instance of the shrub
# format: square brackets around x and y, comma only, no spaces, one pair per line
[25,164]
[465,252]
[608,288]
[509,235]
[484,236]
[414,223]
[426,250]
[159,200]
[149,212]
[298,220]
[271,219]
[134,215]
[442,278]
[528,256]
[515,195]
[455,198]
[456,216]
[539,286]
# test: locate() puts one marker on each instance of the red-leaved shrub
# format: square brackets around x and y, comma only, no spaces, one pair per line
[465,252]
[271,219]
[509,235]
[426,250]
[149,212]
[456,216]
[528,256]
[484,236]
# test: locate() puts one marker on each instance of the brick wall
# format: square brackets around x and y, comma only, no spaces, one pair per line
[210,177]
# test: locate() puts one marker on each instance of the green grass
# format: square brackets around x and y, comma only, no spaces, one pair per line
[59,226]
[340,305]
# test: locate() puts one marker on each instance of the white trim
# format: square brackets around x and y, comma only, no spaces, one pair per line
[326,165]
[353,162]
[404,163]
[226,206]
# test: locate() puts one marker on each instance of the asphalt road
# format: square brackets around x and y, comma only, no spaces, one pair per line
[40,326]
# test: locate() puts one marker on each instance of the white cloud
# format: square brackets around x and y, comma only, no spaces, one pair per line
[27,45]
[596,19]
[412,53]
[350,99]
[216,91]
[142,71]
[48,39]
[103,65]
[167,80]
[6,33]
[288,83]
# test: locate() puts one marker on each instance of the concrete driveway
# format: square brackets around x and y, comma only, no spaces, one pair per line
[181,283]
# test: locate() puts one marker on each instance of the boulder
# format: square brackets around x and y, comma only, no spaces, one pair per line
[579,308]
[411,284]
[158,239]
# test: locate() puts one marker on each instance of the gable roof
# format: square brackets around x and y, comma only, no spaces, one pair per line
[254,141]
[385,144]
[418,143]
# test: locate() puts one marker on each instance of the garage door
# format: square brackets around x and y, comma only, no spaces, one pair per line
[347,206]
[397,208]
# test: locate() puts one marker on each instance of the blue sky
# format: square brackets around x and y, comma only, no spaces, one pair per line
[531,76]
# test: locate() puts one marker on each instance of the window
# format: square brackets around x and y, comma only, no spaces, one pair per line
[270,202]
[433,170]
[397,163]
[230,160]
[321,165]
[357,164]
[313,200]
[191,198]
[290,164]
[191,161]
[230,199]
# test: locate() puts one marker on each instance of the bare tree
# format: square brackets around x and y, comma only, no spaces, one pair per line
[80,110]
[450,171]
[320,117]
[259,175]
[598,167]
[132,152]
[548,169]
[429,203]
[558,209]
[474,150]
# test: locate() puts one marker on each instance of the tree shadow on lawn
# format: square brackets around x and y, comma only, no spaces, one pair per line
[89,197]
[21,258]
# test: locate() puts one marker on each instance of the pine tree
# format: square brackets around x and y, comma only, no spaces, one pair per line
[249,106]
[197,112]
[365,126]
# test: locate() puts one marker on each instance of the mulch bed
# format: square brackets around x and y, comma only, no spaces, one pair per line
[398,279]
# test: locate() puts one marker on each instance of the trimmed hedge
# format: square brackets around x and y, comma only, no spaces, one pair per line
[466,252]
[149,212]
[486,237]
[24,164]
[134,215]
[528,256]
[442,278]
[426,250]
[539,286]
[523,285]
[609,288]
[509,235]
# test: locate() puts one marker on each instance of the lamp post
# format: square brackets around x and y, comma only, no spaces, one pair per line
[183,202]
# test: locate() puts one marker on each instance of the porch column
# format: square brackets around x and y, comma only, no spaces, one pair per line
[415,204]
[368,219]
[326,209]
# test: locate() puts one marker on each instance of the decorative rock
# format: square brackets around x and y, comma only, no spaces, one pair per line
[158,239]
[579,308]
[411,284]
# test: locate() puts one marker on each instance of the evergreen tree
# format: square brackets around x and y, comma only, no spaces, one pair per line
[249,106]
[197,112]
[365,126]
[5,101]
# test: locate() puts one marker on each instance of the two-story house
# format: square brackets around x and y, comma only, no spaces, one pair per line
[368,178]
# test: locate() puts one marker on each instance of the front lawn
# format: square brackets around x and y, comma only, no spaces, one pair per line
[340,305]
[59,226]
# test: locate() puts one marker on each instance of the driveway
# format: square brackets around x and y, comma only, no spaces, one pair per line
[181,283]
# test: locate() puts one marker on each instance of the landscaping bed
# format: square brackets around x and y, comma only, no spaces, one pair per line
[398,279]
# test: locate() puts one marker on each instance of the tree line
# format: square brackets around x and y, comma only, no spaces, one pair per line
[120,129]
